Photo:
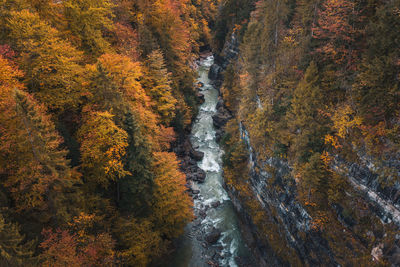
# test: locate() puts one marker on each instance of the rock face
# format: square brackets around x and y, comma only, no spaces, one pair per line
[229,53]
[276,190]
[296,225]
[221,118]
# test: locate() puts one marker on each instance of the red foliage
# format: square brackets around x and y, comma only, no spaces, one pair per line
[7,52]
[61,248]
[336,31]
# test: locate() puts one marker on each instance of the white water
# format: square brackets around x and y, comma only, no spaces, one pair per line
[190,249]
[203,137]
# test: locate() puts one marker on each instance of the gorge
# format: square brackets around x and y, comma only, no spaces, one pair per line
[200,133]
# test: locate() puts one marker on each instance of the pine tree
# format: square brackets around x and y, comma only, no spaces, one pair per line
[376,90]
[304,120]
[157,83]
[136,188]
[315,179]
[14,251]
[35,170]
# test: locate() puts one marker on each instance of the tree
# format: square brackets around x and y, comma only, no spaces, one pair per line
[376,90]
[156,81]
[36,171]
[315,179]
[304,119]
[14,251]
[89,20]
[51,65]
[140,243]
[335,28]
[103,147]
[116,87]
[80,245]
[172,205]
[60,248]
[137,188]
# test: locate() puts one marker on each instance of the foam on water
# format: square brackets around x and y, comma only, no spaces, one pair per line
[212,190]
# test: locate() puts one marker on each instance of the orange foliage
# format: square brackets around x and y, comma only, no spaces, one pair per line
[173,206]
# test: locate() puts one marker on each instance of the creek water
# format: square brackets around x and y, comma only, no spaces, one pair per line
[192,250]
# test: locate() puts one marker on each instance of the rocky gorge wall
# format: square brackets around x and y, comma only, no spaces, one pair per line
[364,228]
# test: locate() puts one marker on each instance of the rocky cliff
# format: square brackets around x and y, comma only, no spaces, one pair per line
[364,227]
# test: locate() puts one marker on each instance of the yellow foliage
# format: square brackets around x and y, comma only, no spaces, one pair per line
[103,146]
[344,120]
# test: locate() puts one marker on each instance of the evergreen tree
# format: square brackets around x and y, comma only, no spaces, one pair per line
[137,188]
[37,173]
[157,82]
[304,119]
[315,179]
[14,251]
[377,89]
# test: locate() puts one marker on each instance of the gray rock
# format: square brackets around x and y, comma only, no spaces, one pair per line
[213,236]
[199,176]
[196,155]
[200,97]
[214,72]
[215,204]
[195,192]
[221,118]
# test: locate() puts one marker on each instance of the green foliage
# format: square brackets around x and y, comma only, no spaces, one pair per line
[304,118]
[136,188]
[114,76]
[376,89]
[312,77]
[38,174]
[14,251]
[231,13]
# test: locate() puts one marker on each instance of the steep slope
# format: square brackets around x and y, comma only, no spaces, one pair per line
[312,156]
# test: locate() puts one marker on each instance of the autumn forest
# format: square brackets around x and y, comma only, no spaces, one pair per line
[97,95]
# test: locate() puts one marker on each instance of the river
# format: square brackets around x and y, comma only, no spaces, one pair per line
[213,208]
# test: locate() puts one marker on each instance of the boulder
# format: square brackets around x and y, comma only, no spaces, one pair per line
[218,135]
[196,155]
[199,176]
[213,236]
[221,118]
[377,252]
[220,103]
[200,98]
[215,204]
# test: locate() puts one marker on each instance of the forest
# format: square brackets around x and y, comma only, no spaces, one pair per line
[316,87]
[96,94]
[93,94]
